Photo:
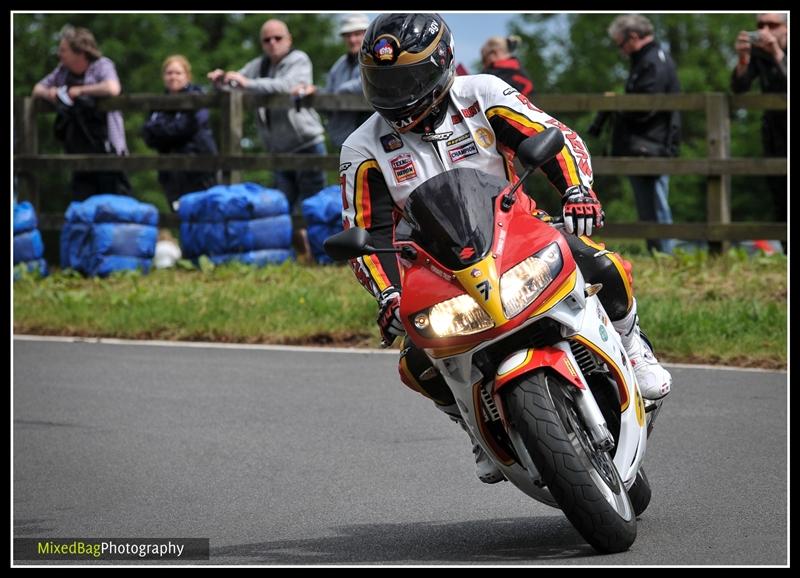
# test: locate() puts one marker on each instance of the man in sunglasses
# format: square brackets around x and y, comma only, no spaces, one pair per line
[283,70]
[763,55]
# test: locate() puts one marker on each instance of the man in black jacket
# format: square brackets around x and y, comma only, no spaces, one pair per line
[645,134]
[764,56]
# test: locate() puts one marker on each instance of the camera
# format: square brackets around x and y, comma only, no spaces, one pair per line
[754,37]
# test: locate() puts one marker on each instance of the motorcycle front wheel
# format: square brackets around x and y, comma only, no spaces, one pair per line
[584,481]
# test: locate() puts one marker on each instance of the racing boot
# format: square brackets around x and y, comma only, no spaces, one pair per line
[654,380]
[487,471]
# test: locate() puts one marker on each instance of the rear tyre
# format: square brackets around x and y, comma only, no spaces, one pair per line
[640,492]
[584,481]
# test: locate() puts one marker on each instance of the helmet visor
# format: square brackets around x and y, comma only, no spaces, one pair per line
[398,87]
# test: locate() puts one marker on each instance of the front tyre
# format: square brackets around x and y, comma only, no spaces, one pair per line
[584,481]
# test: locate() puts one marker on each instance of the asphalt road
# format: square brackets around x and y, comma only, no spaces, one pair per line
[297,458]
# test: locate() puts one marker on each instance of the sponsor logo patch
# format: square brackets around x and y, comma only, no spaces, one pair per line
[436,136]
[456,118]
[458,139]
[344,166]
[391,142]
[484,137]
[459,153]
[508,91]
[403,168]
[385,50]
[473,109]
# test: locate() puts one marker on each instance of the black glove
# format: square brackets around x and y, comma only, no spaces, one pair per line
[389,316]
[582,211]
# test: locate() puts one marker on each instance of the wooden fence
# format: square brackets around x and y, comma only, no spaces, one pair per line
[718,166]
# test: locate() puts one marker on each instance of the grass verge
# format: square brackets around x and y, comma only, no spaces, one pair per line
[695,308]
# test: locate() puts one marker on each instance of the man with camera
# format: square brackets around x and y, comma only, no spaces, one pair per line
[763,54]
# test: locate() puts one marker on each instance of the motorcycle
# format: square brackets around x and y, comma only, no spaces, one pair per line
[493,296]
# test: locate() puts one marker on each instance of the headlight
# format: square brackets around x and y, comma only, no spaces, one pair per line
[457,316]
[523,283]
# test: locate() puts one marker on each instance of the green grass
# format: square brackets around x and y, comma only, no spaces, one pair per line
[727,310]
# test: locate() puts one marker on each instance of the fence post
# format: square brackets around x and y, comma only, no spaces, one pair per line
[231,139]
[26,130]
[718,135]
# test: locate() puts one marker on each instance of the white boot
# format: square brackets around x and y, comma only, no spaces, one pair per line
[654,380]
[487,471]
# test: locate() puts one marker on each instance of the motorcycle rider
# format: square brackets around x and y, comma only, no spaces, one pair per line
[427,121]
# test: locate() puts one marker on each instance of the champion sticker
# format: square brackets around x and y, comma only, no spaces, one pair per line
[403,168]
[391,142]
[459,153]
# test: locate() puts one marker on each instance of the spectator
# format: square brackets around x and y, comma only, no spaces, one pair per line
[83,75]
[180,131]
[645,134]
[344,77]
[283,70]
[498,59]
[766,59]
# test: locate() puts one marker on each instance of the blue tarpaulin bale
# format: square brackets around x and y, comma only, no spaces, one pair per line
[256,234]
[125,240]
[28,246]
[24,217]
[323,213]
[107,233]
[112,209]
[242,219]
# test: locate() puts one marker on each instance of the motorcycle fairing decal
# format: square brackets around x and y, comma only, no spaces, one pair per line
[619,376]
[549,357]
[482,287]
[639,409]
[566,288]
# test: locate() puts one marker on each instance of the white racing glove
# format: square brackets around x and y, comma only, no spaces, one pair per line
[389,316]
[582,211]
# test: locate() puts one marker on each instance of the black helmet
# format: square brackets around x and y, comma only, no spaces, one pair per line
[407,66]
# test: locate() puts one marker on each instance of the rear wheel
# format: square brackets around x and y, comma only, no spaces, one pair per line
[584,481]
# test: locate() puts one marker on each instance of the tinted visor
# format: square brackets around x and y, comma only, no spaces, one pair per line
[398,87]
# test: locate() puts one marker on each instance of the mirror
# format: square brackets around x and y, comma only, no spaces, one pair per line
[540,148]
[348,244]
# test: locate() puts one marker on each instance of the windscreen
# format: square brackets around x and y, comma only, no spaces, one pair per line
[451,216]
